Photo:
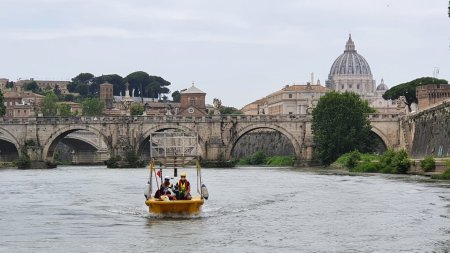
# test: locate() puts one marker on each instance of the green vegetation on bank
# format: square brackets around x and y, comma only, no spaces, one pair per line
[391,162]
[428,164]
[260,158]
[443,176]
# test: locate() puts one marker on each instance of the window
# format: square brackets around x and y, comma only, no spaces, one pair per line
[290,95]
[192,101]
[357,86]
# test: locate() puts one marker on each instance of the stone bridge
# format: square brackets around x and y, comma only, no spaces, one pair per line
[218,134]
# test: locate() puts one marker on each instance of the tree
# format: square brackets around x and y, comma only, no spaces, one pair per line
[136,109]
[64,110]
[157,86]
[49,107]
[57,90]
[340,125]
[176,96]
[93,107]
[138,81]
[32,86]
[82,78]
[408,89]
[145,85]
[2,105]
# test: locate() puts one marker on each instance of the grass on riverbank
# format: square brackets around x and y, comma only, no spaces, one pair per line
[259,158]
[443,176]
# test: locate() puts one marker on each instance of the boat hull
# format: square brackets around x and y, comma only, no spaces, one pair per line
[190,207]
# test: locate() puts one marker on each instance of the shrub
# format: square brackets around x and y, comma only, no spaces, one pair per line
[428,164]
[401,162]
[353,160]
[443,176]
[23,162]
[367,167]
[258,158]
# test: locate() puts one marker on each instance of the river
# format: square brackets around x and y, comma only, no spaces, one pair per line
[95,209]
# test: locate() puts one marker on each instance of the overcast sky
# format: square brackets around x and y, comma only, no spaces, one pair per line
[235,50]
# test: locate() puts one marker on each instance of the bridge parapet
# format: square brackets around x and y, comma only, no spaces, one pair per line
[384,117]
[153,119]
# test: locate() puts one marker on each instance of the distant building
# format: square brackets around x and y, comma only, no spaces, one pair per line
[351,72]
[3,83]
[43,84]
[22,104]
[292,99]
[192,102]
[432,94]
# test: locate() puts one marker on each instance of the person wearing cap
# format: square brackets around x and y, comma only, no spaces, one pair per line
[184,187]
[166,187]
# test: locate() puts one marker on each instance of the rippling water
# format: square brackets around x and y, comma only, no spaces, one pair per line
[94,209]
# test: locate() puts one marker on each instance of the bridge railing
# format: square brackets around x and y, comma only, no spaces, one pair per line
[151,119]
[383,117]
[176,118]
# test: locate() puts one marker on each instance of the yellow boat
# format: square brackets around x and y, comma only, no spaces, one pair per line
[190,207]
[173,149]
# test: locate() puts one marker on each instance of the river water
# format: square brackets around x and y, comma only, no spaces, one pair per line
[95,209]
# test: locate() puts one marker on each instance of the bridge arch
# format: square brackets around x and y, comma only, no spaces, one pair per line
[249,128]
[58,135]
[382,136]
[9,146]
[8,137]
[162,127]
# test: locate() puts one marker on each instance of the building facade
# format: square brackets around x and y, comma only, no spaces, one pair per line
[192,102]
[432,94]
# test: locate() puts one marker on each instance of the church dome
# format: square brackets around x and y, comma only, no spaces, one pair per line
[350,62]
[382,86]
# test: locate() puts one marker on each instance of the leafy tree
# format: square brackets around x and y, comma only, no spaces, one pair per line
[49,107]
[136,109]
[57,90]
[138,81]
[32,86]
[2,105]
[340,125]
[10,84]
[69,97]
[156,87]
[145,85]
[408,89]
[93,107]
[176,96]
[83,89]
[64,110]
[82,78]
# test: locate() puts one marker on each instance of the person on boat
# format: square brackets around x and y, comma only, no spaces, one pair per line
[166,189]
[184,187]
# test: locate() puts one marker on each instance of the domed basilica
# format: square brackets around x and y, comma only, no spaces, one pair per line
[349,72]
